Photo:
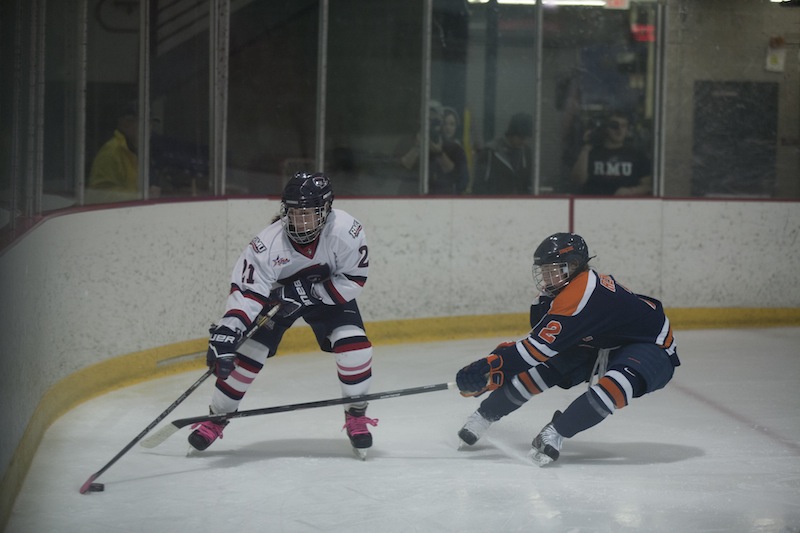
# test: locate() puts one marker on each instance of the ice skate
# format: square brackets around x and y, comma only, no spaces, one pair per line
[205,433]
[546,446]
[473,429]
[356,422]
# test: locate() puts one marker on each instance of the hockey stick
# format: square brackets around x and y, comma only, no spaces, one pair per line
[164,433]
[90,486]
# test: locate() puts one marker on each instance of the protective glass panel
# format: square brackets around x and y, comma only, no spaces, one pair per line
[500,100]
[179,99]
[272,94]
[598,96]
[112,114]
[60,142]
[374,84]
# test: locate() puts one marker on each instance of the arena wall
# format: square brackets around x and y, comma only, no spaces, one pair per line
[98,299]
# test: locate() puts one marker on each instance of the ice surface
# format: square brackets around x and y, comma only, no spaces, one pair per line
[718,450]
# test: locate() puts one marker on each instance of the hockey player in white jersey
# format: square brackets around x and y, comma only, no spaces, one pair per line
[313,261]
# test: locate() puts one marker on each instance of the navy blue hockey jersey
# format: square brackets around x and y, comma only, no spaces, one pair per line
[597,311]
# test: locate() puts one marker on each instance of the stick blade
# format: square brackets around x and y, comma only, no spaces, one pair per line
[85,487]
[159,436]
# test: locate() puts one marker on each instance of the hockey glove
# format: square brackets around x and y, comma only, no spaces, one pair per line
[222,350]
[295,297]
[481,376]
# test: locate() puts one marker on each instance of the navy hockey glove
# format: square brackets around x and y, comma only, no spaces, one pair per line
[295,297]
[481,376]
[222,350]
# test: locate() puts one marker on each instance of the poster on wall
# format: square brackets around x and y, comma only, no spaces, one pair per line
[734,139]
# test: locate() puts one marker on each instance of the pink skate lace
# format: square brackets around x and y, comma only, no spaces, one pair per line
[357,425]
[209,430]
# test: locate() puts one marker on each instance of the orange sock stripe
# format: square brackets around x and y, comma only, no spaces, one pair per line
[614,391]
[668,342]
[536,354]
[529,384]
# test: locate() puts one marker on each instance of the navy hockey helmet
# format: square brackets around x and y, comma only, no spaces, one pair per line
[305,206]
[558,259]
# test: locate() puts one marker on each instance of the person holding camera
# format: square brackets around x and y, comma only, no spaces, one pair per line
[447,160]
[607,165]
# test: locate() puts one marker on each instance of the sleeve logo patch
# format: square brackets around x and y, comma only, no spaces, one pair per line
[257,245]
[280,261]
[355,229]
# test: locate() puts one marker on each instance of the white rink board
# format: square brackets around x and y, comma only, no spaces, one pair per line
[732,254]
[625,238]
[440,257]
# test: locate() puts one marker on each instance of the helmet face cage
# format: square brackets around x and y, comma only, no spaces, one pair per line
[557,260]
[305,206]
[303,224]
[552,277]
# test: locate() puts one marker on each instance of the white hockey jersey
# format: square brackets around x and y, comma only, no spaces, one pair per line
[336,262]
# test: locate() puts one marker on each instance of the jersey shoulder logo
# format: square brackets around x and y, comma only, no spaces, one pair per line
[608,282]
[257,245]
[280,261]
[355,229]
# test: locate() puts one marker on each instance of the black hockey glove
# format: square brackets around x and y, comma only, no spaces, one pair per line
[481,376]
[295,297]
[222,350]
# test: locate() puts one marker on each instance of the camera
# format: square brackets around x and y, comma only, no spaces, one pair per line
[598,134]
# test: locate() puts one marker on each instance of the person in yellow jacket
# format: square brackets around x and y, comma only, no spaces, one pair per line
[114,175]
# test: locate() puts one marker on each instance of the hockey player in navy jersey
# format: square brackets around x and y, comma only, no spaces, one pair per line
[313,261]
[584,324]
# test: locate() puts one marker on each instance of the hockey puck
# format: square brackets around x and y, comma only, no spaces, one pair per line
[97,487]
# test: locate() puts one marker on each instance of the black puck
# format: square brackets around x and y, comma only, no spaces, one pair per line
[97,487]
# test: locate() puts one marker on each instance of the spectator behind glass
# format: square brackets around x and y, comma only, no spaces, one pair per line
[447,167]
[450,125]
[607,165]
[114,175]
[504,165]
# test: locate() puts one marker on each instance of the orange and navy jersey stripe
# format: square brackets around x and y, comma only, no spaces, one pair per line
[530,353]
[575,296]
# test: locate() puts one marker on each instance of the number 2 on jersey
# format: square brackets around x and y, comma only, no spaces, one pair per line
[550,331]
[364,262]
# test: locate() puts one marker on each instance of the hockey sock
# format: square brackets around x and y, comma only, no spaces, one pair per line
[584,412]
[517,391]
[353,359]
[228,393]
[500,403]
[611,392]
